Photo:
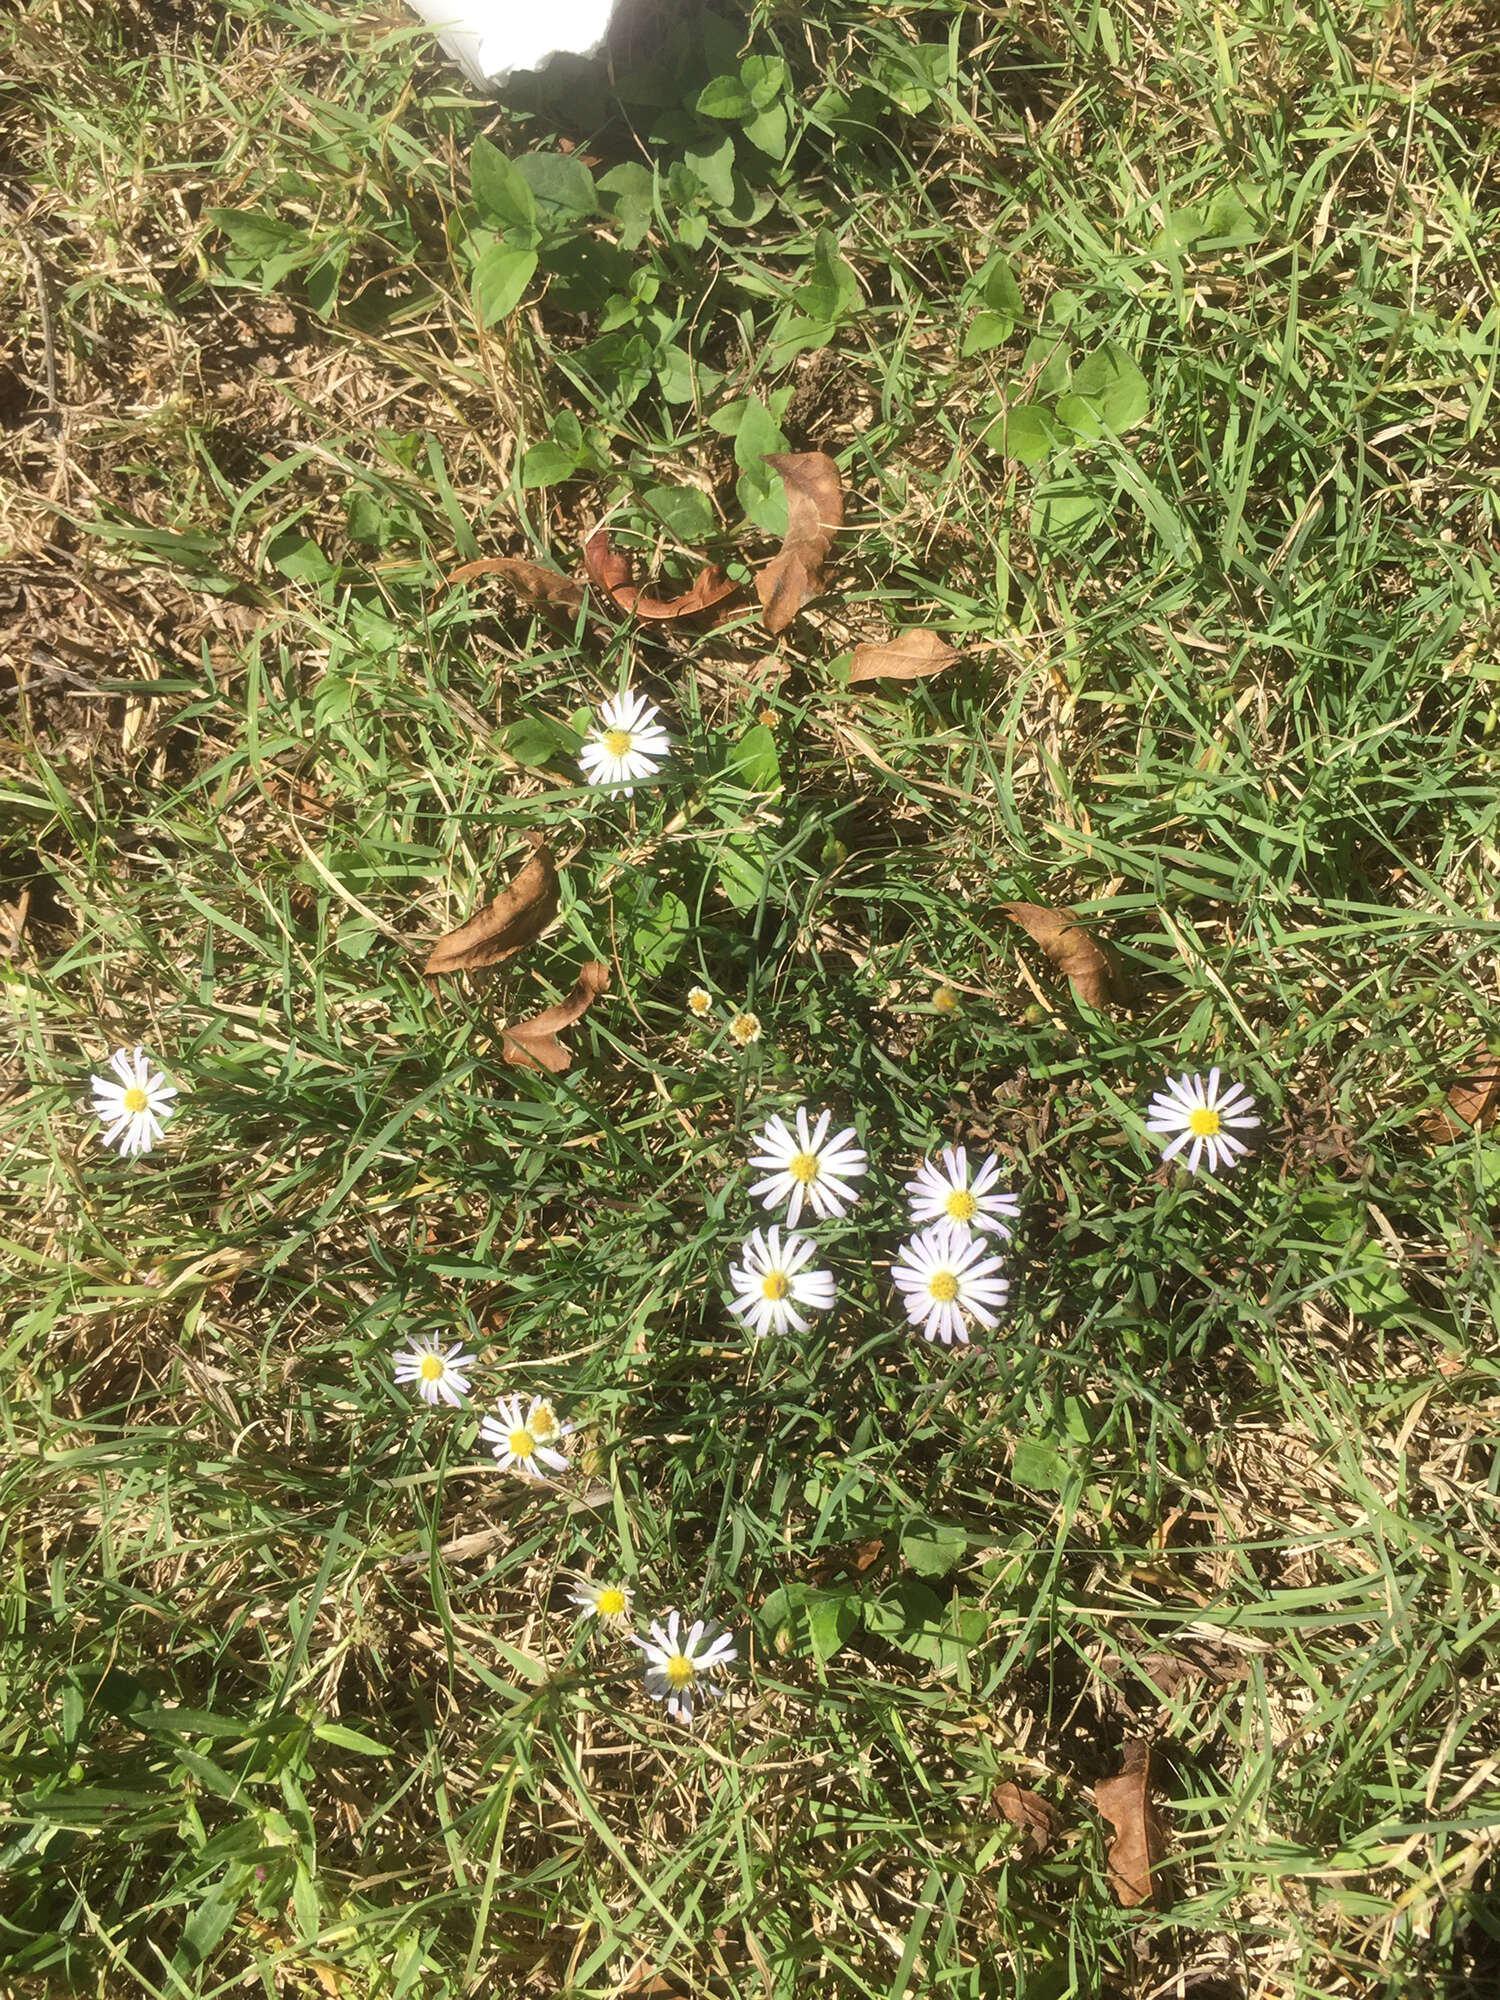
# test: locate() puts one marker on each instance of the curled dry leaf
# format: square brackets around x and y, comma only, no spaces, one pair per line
[1038,1819]
[548,588]
[1070,947]
[611,571]
[1473,1103]
[533,1044]
[517,917]
[1140,1841]
[915,656]
[814,515]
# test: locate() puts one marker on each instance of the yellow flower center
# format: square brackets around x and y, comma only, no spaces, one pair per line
[944,999]
[961,1205]
[943,1287]
[521,1444]
[678,1670]
[617,742]
[745,1027]
[135,1099]
[803,1167]
[1202,1122]
[699,1001]
[432,1367]
[610,1603]
[775,1285]
[542,1423]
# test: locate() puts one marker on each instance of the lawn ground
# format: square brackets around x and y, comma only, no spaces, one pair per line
[1157,348]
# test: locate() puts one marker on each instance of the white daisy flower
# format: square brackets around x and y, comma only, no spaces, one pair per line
[607,1602]
[520,1443]
[946,1194]
[134,1108]
[440,1373]
[808,1166]
[700,1001]
[677,1664]
[626,743]
[745,1029]
[943,1275]
[1200,1112]
[771,1283]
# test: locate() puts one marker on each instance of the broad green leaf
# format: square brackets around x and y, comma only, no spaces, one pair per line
[932,1548]
[754,762]
[1228,221]
[1025,431]
[832,1616]
[724,97]
[740,872]
[1114,385]
[1038,1465]
[366,520]
[500,194]
[256,234]
[538,739]
[765,79]
[986,330]
[830,289]
[546,463]
[1046,358]
[500,280]
[995,283]
[711,162]
[299,558]
[633,189]
[660,932]
[684,509]
[767,132]
[562,188]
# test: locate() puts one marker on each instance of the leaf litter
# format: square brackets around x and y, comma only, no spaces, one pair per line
[1072,949]
[814,515]
[533,1043]
[516,918]
[611,571]
[914,656]
[1140,1840]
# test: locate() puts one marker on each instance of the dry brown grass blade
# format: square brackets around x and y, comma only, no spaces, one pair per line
[610,570]
[915,656]
[1140,1842]
[533,1044]
[516,918]
[814,515]
[1038,1818]
[539,585]
[1070,947]
[1473,1103]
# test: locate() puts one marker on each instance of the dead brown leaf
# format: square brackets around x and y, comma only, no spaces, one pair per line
[1070,947]
[814,515]
[517,917]
[533,1044]
[1473,1104]
[539,585]
[611,571]
[1140,1840]
[1038,1819]
[915,656]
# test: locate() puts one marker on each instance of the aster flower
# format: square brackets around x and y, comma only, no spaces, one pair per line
[745,1029]
[134,1106]
[807,1166]
[943,1275]
[700,1001]
[945,999]
[440,1373]
[771,1283]
[520,1443]
[678,1663]
[608,1603]
[626,743]
[1205,1115]
[945,1193]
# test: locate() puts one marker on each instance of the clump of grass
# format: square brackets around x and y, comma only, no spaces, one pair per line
[294,1689]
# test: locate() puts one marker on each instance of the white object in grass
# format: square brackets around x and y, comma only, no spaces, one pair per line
[609,1603]
[440,1373]
[945,1279]
[773,1282]
[807,1166]
[520,1443]
[945,1193]
[678,1663]
[700,1001]
[134,1105]
[1203,1116]
[626,743]
[493,38]
[745,1029]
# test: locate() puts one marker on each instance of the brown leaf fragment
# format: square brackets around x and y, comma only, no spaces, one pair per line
[539,585]
[611,571]
[533,1044]
[1140,1840]
[517,917]
[1070,947]
[915,656]
[1039,1820]
[814,515]
[1473,1104]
